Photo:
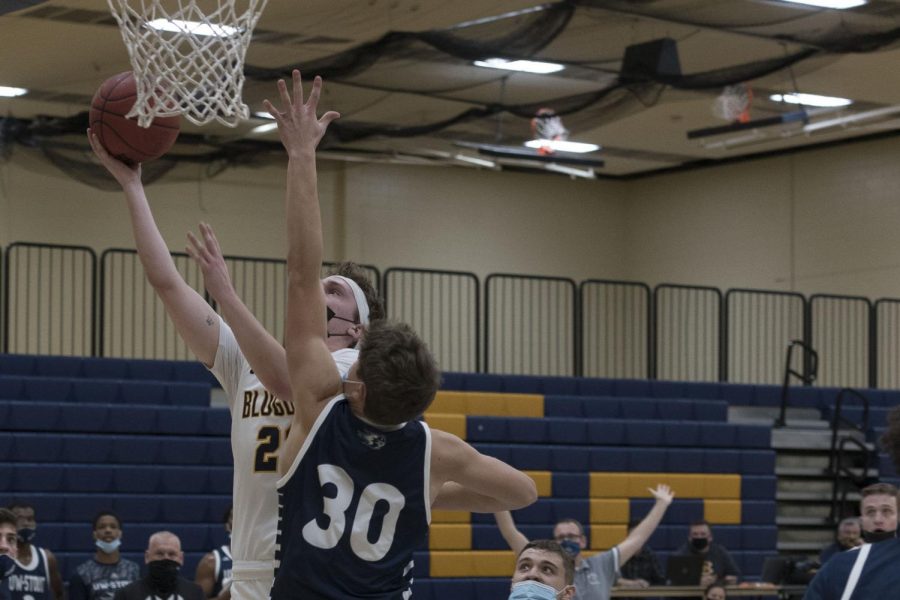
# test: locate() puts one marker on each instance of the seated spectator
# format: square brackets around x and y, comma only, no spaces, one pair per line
[715,591]
[544,571]
[874,564]
[8,550]
[849,535]
[718,563]
[642,570]
[100,577]
[594,576]
[164,559]
[36,574]
[214,570]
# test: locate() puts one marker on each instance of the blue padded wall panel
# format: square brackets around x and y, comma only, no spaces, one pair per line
[96,391]
[592,386]
[53,390]
[105,368]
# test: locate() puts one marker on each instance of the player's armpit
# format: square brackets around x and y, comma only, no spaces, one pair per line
[453,460]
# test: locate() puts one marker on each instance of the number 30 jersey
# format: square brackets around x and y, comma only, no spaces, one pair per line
[352,508]
[259,424]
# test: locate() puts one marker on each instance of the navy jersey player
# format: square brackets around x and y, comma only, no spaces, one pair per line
[362,472]
[107,572]
[36,576]
[249,363]
[214,569]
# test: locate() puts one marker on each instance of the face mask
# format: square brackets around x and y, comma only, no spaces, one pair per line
[26,534]
[7,565]
[108,547]
[329,315]
[532,590]
[699,543]
[873,537]
[571,546]
[163,575]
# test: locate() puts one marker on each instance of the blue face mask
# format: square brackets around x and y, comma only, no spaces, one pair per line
[7,564]
[108,547]
[572,547]
[532,590]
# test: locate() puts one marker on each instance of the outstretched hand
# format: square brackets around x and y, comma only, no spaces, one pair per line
[663,494]
[299,128]
[207,253]
[123,173]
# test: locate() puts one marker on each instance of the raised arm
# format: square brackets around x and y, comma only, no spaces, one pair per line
[480,476]
[514,538]
[640,534]
[194,319]
[266,356]
[313,374]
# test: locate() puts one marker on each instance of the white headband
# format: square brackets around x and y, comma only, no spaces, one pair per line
[361,305]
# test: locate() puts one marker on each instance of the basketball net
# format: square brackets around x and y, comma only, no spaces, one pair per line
[733,104]
[547,126]
[188,57]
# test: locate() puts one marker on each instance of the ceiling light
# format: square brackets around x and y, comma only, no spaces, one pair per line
[563,146]
[838,4]
[11,92]
[556,168]
[811,100]
[526,66]
[265,128]
[850,119]
[193,27]
[474,160]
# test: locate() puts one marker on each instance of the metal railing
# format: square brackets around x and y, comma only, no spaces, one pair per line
[688,333]
[810,368]
[616,320]
[841,464]
[839,329]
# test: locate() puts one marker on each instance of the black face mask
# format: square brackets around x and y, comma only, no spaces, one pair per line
[699,543]
[873,537]
[329,315]
[163,576]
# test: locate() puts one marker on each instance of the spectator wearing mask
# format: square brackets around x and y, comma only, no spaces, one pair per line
[36,576]
[9,549]
[163,558]
[718,564]
[107,572]
[544,571]
[849,535]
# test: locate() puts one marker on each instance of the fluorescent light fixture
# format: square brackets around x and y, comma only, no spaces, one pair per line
[526,66]
[585,173]
[193,27]
[563,146]
[811,100]
[11,92]
[850,119]
[265,128]
[838,4]
[472,160]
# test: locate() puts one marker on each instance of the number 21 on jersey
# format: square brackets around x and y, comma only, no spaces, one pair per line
[266,459]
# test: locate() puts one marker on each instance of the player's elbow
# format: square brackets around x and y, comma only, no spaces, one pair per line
[523,493]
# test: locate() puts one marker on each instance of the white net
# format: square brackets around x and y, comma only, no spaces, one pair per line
[733,103]
[188,56]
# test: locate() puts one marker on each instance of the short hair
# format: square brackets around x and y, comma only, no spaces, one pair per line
[850,521]
[20,505]
[399,372]
[890,440]
[106,513]
[878,489]
[353,271]
[8,518]
[699,522]
[573,522]
[553,547]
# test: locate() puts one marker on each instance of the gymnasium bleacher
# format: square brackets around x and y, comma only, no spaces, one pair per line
[140,437]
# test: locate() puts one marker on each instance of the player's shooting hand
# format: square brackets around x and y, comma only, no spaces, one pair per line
[298,126]
[123,173]
[207,253]
[663,494]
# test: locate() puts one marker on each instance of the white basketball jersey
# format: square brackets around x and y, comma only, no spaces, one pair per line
[259,424]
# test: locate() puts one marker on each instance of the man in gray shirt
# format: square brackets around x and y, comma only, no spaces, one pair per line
[594,576]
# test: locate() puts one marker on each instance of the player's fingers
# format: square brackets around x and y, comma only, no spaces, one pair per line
[211,239]
[199,253]
[328,117]
[315,92]
[284,95]
[298,87]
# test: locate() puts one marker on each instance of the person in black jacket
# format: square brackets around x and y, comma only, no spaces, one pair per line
[718,564]
[163,558]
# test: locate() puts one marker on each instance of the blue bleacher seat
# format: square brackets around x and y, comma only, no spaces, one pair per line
[133,419]
[141,450]
[675,410]
[188,394]
[643,433]
[219,451]
[58,366]
[36,416]
[218,422]
[193,372]
[718,435]
[758,487]
[183,451]
[602,408]
[569,431]
[559,385]
[144,392]
[571,485]
[76,417]
[184,509]
[105,368]
[16,364]
[12,388]
[758,512]
[184,480]
[522,384]
[606,433]
[31,477]
[453,381]
[631,387]
[667,389]
[138,509]
[89,478]
[96,391]
[483,382]
[138,480]
[182,420]
[703,390]
[592,386]
[638,408]
[681,434]
[46,389]
[33,447]
[150,370]
[220,480]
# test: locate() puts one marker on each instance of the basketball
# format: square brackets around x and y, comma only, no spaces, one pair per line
[122,137]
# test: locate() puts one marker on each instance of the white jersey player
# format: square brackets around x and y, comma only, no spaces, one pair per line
[249,362]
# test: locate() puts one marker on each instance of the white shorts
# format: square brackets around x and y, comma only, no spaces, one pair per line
[252,584]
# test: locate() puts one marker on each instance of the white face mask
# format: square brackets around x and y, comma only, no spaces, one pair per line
[533,590]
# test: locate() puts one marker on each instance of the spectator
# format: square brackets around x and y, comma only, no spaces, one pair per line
[214,569]
[873,565]
[8,550]
[544,571]
[718,564]
[163,559]
[715,591]
[594,576]
[100,577]
[849,535]
[36,575]
[642,570]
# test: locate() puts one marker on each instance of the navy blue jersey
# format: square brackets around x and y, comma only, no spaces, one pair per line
[352,508]
[223,569]
[880,577]
[97,581]
[31,581]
